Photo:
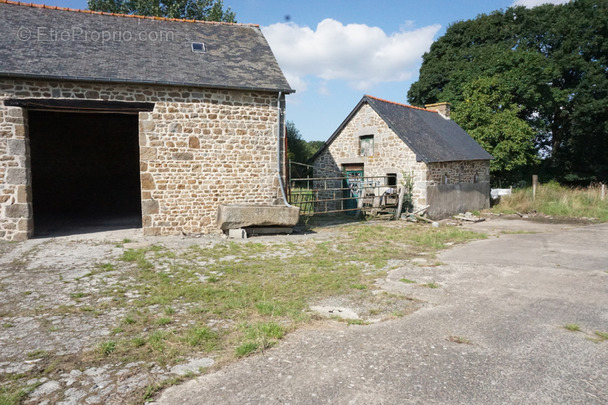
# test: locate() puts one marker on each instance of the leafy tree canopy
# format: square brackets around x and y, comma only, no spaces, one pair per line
[299,151]
[545,68]
[207,10]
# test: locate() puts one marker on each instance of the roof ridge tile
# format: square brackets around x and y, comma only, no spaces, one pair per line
[144,17]
[394,102]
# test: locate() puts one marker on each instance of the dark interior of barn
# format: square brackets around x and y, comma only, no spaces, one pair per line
[85,171]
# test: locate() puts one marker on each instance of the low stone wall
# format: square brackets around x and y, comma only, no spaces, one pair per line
[449,199]
[198,148]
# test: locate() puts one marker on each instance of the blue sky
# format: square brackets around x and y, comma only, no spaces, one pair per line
[335,51]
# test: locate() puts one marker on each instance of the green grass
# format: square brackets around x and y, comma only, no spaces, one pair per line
[36,354]
[431,285]
[407,281]
[246,349]
[558,201]
[107,348]
[572,327]
[13,394]
[356,322]
[601,336]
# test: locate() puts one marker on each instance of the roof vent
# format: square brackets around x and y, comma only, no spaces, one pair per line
[198,47]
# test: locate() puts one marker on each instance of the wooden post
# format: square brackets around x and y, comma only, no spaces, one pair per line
[400,205]
[603,195]
[534,184]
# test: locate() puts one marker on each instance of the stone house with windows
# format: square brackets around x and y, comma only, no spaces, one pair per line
[449,169]
[113,120]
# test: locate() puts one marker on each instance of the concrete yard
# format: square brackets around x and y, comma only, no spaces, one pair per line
[494,333]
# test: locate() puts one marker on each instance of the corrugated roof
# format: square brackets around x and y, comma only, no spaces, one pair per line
[427,133]
[55,43]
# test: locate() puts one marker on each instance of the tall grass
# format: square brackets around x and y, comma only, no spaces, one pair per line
[556,200]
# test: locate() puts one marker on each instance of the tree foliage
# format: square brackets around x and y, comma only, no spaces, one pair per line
[548,64]
[207,10]
[299,150]
[490,115]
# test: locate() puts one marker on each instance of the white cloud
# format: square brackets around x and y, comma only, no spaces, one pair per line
[357,53]
[534,3]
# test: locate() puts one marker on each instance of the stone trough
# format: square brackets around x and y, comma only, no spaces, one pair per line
[260,218]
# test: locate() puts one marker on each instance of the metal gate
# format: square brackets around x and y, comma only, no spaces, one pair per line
[350,192]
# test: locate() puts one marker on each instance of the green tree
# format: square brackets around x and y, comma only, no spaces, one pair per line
[552,60]
[313,147]
[207,10]
[489,114]
[297,150]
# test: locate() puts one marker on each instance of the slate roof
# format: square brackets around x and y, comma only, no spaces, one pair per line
[53,43]
[427,133]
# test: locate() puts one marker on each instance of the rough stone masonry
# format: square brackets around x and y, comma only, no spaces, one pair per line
[198,148]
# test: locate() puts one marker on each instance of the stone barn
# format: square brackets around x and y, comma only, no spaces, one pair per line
[449,169]
[128,120]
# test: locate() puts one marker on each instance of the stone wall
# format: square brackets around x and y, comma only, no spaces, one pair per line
[472,171]
[198,148]
[390,153]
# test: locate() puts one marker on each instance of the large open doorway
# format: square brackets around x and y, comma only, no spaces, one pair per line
[85,171]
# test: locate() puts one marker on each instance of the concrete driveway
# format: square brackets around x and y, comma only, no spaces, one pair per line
[492,333]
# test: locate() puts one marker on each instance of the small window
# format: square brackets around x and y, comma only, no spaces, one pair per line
[366,145]
[446,180]
[391,179]
[475,178]
[198,47]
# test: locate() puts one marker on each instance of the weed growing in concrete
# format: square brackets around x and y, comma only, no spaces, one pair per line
[356,322]
[572,327]
[458,339]
[431,285]
[407,281]
[601,335]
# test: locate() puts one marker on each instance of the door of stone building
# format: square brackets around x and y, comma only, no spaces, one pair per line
[353,187]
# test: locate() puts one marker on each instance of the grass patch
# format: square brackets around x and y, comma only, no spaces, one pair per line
[572,327]
[13,394]
[246,349]
[165,320]
[36,354]
[107,348]
[430,285]
[601,336]
[356,322]
[407,281]
[202,337]
[555,200]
